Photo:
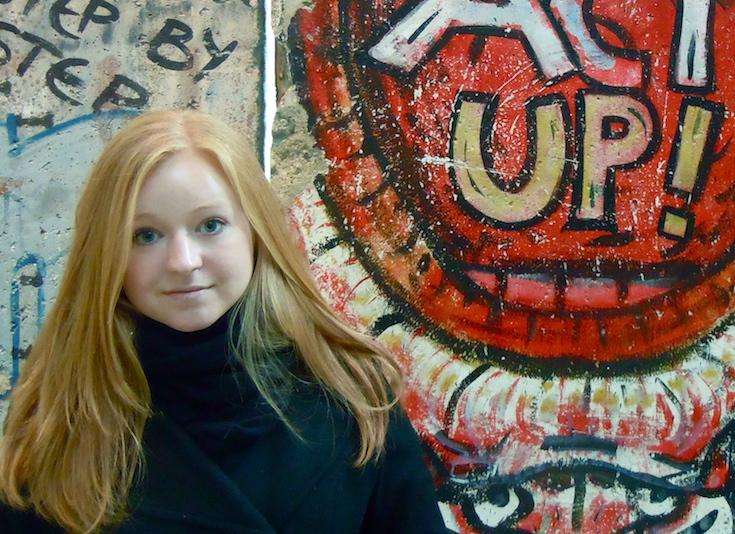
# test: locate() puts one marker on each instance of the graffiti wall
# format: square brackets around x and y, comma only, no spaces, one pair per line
[71,72]
[531,203]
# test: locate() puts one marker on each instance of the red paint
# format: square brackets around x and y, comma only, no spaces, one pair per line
[409,119]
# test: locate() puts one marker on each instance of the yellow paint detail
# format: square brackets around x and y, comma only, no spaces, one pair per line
[647,401]
[606,398]
[632,399]
[691,148]
[547,409]
[675,224]
[575,398]
[392,340]
[477,187]
[713,376]
[448,382]
[677,384]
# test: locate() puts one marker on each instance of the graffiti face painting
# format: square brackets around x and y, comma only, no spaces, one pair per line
[542,197]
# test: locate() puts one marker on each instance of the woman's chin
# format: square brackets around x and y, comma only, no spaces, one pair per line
[188,321]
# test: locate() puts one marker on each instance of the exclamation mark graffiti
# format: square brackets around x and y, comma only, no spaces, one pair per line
[689,164]
[21,336]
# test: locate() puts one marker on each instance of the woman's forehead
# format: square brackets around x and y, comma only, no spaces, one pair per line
[185,181]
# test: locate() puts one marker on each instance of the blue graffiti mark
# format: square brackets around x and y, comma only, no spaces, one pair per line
[10,124]
[15,313]
[8,197]
[15,326]
[11,127]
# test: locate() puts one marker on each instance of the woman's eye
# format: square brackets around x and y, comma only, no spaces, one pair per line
[145,237]
[212,226]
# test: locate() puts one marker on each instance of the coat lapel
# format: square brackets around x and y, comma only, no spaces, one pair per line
[182,484]
[279,471]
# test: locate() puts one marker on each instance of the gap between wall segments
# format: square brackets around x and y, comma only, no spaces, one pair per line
[269,86]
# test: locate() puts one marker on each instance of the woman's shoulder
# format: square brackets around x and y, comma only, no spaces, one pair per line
[392,493]
[319,419]
[317,413]
[401,432]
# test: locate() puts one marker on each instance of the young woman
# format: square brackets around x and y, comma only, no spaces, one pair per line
[190,378]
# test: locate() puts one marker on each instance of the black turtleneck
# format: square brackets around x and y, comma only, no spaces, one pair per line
[195,381]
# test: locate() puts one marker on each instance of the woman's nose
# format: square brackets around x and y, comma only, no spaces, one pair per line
[183,254]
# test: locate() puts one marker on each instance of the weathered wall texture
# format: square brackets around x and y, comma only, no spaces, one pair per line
[532,204]
[70,73]
[296,156]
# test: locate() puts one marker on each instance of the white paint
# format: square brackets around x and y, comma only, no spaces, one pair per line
[414,36]
[694,16]
[570,15]
[651,508]
[492,515]
[269,86]
[594,61]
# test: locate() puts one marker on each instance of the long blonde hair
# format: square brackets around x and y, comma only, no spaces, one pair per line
[72,447]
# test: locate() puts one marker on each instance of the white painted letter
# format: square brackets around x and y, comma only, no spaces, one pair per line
[413,37]
[692,47]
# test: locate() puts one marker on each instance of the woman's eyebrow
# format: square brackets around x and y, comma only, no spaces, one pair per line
[210,206]
[203,207]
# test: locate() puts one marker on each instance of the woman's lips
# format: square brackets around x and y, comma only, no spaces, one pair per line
[187,292]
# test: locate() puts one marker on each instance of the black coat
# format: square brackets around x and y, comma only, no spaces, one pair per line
[281,484]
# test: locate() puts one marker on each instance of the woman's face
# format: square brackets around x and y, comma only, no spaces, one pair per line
[192,251]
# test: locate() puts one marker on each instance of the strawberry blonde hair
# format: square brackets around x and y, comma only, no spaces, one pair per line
[72,446]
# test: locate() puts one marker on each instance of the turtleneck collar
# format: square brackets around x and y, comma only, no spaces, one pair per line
[195,381]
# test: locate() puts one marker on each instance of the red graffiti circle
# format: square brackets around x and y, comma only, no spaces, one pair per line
[533,183]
